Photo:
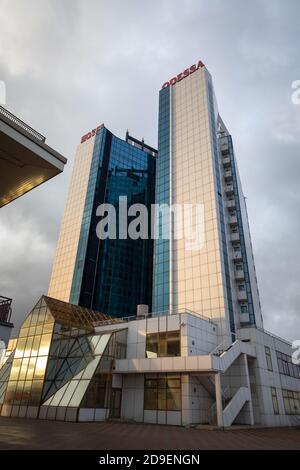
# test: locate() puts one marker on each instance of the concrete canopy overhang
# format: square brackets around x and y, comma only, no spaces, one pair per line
[25,160]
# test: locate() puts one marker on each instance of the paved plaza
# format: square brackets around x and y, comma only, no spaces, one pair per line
[34,434]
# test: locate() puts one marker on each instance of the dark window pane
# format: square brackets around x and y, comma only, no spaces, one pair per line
[162,399]
[173,348]
[150,399]
[174,383]
[174,399]
[163,344]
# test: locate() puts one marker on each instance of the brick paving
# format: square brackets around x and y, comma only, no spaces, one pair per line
[34,434]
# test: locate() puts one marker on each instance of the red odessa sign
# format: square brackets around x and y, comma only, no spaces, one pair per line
[91,133]
[184,74]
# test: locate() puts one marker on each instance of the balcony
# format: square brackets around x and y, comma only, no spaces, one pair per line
[242,295]
[5,320]
[240,275]
[235,237]
[229,189]
[233,220]
[224,145]
[226,162]
[5,309]
[231,204]
[244,318]
[228,175]
[237,256]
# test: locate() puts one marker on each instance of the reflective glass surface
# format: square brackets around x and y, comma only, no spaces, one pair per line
[163,344]
[163,392]
[291,401]
[30,359]
[89,385]
[115,275]
[57,356]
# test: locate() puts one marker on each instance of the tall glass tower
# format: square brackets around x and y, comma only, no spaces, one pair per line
[196,165]
[112,276]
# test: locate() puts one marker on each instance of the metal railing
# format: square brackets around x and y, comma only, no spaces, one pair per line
[5,309]
[165,313]
[180,311]
[212,410]
[222,347]
[269,333]
[14,119]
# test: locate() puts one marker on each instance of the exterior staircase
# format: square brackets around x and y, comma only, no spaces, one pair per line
[222,358]
[235,405]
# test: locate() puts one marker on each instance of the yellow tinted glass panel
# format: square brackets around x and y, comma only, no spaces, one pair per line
[20,347]
[23,332]
[28,347]
[19,392]
[31,331]
[34,317]
[48,318]
[42,315]
[47,328]
[31,367]
[39,330]
[36,390]
[45,345]
[10,392]
[23,370]
[15,369]
[27,391]
[35,346]
[40,368]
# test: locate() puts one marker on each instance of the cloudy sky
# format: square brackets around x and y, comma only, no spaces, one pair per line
[69,65]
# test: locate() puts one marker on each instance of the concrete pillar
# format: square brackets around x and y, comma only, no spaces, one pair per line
[248,385]
[219,405]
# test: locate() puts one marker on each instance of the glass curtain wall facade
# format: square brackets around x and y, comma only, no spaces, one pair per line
[112,275]
[67,244]
[60,366]
[26,377]
[162,392]
[166,344]
[186,142]
[161,267]
[81,380]
[190,171]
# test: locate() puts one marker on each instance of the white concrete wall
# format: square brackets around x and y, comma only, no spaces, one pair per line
[162,417]
[132,406]
[197,335]
[196,401]
[265,379]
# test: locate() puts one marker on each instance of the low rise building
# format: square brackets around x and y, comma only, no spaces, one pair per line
[73,364]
